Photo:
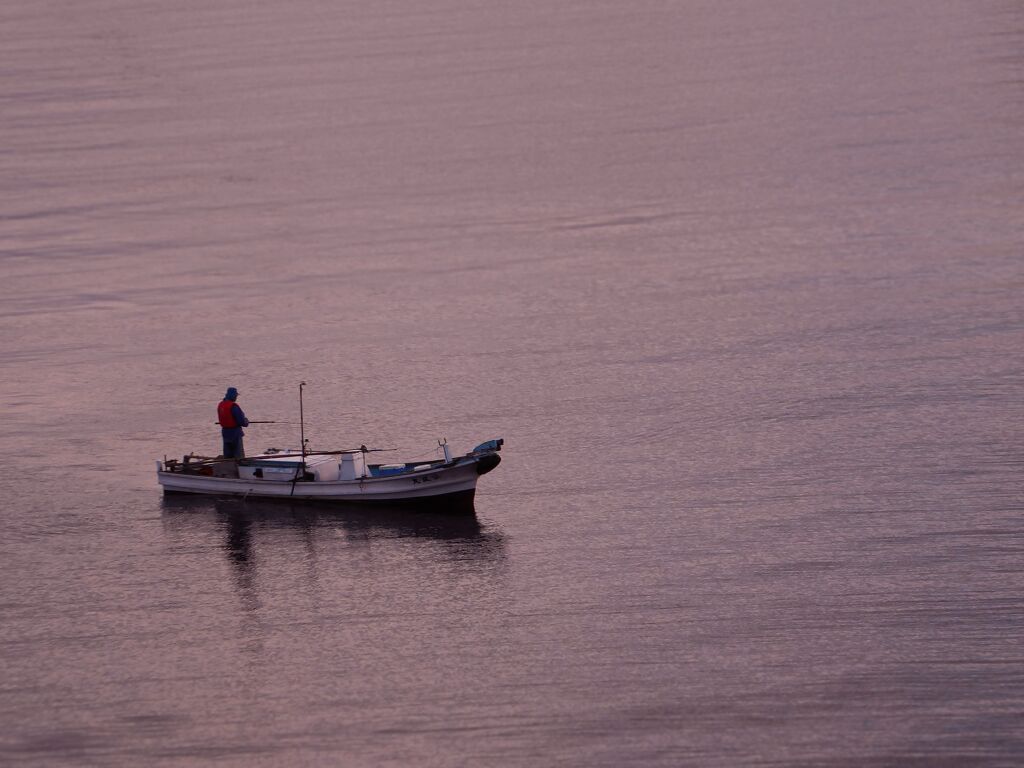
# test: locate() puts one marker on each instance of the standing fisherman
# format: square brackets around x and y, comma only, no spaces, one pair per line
[231,419]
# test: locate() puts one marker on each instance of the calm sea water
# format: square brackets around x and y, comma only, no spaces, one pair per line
[739,283]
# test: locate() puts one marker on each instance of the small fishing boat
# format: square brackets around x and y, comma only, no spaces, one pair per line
[445,484]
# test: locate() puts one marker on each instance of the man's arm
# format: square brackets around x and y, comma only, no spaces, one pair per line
[240,419]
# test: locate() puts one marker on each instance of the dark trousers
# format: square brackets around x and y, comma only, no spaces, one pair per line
[233,449]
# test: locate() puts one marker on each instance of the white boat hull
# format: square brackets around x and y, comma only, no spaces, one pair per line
[449,484]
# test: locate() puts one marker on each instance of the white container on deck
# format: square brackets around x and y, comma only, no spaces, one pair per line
[324,468]
[353,466]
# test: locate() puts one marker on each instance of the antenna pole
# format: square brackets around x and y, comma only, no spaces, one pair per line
[302,427]
[302,437]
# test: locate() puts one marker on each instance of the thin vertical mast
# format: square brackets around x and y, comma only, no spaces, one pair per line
[302,428]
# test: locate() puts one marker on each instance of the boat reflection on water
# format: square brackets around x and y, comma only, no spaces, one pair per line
[241,523]
[302,565]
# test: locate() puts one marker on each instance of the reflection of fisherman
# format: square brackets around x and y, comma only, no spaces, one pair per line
[231,421]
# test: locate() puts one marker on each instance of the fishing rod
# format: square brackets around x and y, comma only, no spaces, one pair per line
[264,422]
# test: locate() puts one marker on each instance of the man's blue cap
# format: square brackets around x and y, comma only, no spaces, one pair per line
[231,394]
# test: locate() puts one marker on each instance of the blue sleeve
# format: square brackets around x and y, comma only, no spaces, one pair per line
[240,419]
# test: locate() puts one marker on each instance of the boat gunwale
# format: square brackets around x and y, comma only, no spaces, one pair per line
[461,461]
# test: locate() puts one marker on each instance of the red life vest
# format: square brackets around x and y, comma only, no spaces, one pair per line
[224,415]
